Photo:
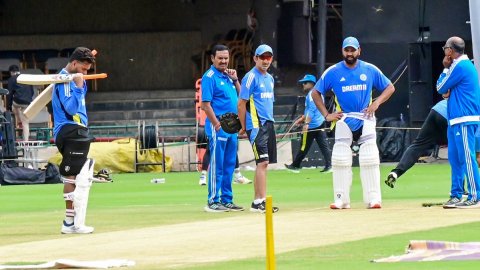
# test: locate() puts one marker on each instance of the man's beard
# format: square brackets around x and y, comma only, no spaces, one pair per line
[350,61]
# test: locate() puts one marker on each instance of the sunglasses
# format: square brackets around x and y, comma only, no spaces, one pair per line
[265,57]
[445,47]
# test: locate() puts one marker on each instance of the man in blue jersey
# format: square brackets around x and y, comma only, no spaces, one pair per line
[255,111]
[352,81]
[312,121]
[220,89]
[73,140]
[459,83]
[433,132]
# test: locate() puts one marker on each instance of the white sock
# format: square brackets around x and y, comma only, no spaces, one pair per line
[69,216]
[258,201]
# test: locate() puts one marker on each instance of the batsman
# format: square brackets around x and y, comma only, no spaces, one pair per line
[352,82]
[73,141]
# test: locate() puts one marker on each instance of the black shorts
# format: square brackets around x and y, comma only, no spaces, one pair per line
[265,144]
[74,154]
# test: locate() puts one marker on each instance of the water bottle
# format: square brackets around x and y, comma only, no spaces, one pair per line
[158,181]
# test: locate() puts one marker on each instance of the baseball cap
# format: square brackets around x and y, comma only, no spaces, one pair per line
[13,68]
[82,54]
[264,48]
[308,78]
[351,42]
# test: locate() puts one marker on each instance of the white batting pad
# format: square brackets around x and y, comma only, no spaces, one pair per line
[342,172]
[343,133]
[370,172]
[83,183]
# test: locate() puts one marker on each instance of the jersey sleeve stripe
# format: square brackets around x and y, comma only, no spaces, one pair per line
[250,78]
[328,69]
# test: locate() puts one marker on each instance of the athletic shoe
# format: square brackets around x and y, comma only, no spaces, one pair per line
[260,208]
[241,180]
[203,180]
[292,168]
[391,179]
[233,207]
[339,205]
[215,208]
[452,203]
[467,204]
[374,205]
[72,229]
[327,169]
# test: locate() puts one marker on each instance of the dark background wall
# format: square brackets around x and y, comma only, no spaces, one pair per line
[147,44]
[414,30]
[142,44]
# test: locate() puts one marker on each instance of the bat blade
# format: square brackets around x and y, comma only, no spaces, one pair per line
[39,102]
[41,79]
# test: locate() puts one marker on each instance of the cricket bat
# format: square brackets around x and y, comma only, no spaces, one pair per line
[46,95]
[41,79]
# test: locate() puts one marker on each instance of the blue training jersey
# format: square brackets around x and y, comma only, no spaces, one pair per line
[464,100]
[68,102]
[311,111]
[441,108]
[257,88]
[352,87]
[220,91]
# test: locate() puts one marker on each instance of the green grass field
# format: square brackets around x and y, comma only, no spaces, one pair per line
[34,213]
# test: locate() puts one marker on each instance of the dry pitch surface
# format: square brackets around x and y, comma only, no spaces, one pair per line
[238,235]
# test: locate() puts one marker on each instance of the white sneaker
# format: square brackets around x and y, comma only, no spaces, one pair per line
[374,205]
[72,229]
[241,180]
[339,205]
[203,180]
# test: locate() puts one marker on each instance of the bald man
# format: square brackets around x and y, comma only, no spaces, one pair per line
[459,83]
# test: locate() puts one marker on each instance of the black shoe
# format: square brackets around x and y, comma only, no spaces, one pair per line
[391,179]
[327,169]
[260,208]
[233,207]
[292,168]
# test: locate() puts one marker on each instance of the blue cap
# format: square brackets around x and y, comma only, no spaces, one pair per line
[351,42]
[264,48]
[308,78]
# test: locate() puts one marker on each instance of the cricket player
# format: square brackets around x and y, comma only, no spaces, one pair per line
[73,141]
[255,111]
[352,80]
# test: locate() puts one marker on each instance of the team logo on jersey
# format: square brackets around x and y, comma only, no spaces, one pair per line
[363,77]
[457,134]
[222,83]
[262,85]
[342,79]
[266,95]
[355,87]
[67,168]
